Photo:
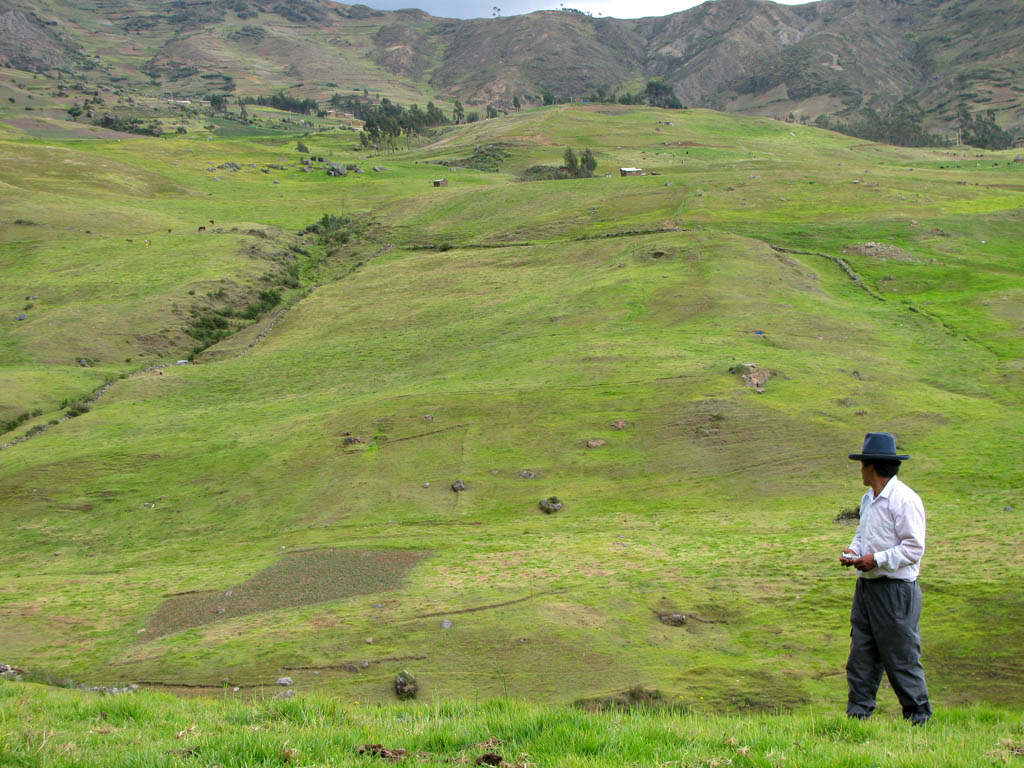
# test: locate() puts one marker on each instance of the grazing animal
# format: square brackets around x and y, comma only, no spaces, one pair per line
[211,221]
[202,229]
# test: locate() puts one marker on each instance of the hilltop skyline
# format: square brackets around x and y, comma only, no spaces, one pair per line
[471,9]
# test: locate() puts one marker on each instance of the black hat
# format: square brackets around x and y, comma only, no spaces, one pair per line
[879,445]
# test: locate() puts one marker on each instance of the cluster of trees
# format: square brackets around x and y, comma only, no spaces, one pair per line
[657,93]
[581,167]
[981,131]
[387,122]
[283,102]
[903,126]
[129,125]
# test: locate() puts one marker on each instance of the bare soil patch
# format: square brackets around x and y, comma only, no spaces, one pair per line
[300,579]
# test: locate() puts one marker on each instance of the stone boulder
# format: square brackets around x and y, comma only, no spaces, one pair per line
[406,686]
[335,169]
[753,375]
[672,618]
[550,505]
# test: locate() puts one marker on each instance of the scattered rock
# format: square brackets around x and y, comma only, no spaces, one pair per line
[446,624]
[881,251]
[619,424]
[307,169]
[597,442]
[230,167]
[22,316]
[527,474]
[550,505]
[289,694]
[1008,508]
[351,439]
[753,375]
[428,417]
[379,168]
[406,686]
[672,618]
[10,672]
[334,169]
[458,486]
[426,485]
[284,681]
[376,750]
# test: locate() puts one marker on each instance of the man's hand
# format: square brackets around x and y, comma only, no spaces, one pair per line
[848,558]
[864,563]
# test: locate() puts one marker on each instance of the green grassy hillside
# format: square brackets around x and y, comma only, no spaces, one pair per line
[284,506]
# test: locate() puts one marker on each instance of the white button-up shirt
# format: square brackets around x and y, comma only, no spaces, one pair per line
[892,529]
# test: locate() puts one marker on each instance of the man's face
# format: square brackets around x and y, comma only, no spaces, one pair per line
[866,473]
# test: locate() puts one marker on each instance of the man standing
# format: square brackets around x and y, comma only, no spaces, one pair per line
[886,611]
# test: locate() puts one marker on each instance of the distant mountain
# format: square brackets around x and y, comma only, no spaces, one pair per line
[835,57]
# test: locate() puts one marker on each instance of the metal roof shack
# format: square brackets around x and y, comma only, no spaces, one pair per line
[632,172]
[440,182]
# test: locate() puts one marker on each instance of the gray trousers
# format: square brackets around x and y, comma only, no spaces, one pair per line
[884,634]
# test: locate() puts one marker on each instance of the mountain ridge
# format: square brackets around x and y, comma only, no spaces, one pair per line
[837,58]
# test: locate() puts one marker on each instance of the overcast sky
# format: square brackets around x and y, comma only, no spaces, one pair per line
[473,9]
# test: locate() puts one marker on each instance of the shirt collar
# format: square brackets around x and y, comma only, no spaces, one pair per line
[889,487]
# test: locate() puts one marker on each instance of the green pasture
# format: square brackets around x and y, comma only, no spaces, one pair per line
[485,332]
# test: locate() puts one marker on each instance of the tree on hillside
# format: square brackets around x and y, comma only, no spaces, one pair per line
[571,162]
[659,94]
[981,130]
[902,125]
[491,111]
[516,103]
[580,166]
[434,115]
[588,163]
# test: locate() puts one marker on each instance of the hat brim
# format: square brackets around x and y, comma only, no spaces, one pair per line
[879,456]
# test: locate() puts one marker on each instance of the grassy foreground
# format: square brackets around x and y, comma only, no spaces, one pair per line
[42,727]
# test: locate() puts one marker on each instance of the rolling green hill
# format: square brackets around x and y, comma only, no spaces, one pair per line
[284,505]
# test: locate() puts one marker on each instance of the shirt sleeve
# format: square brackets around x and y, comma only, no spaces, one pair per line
[909,527]
[855,545]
